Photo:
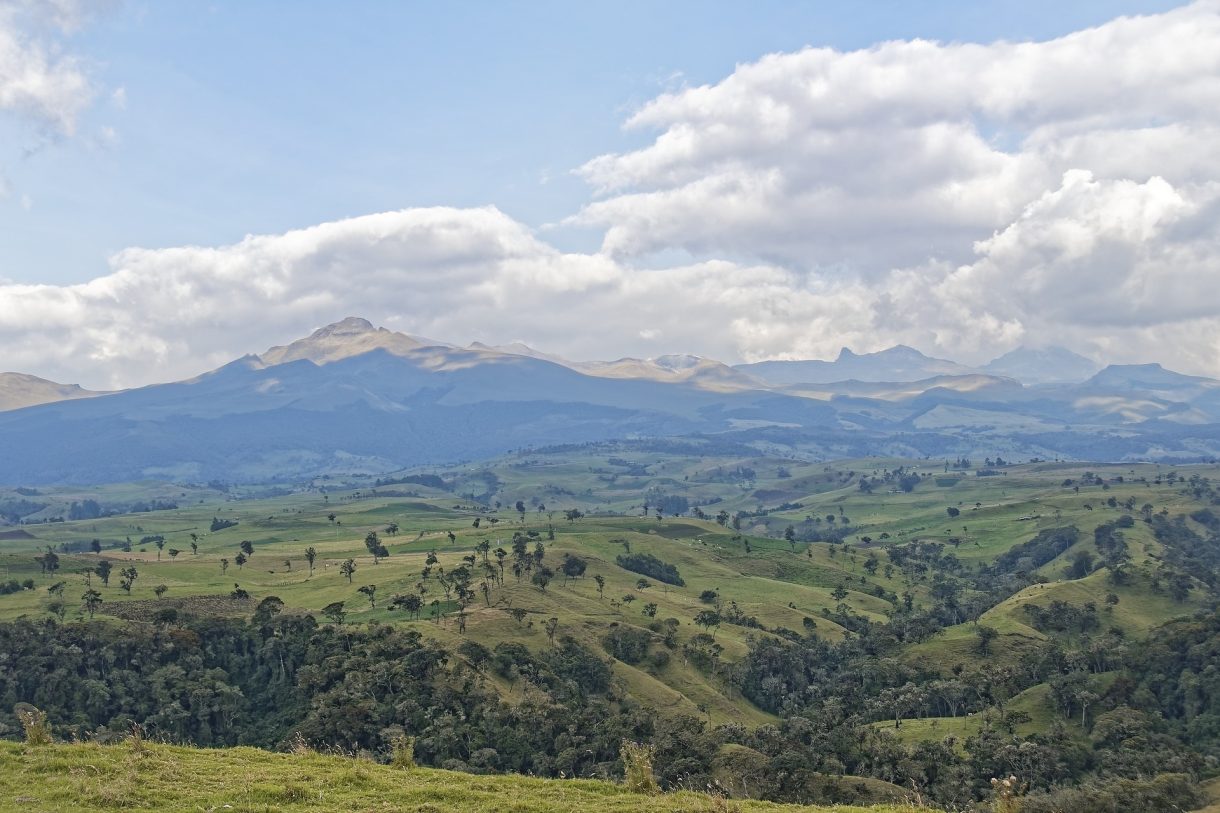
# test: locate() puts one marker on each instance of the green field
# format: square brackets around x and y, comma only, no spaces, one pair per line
[161,778]
[783,586]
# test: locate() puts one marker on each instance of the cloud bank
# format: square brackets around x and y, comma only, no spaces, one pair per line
[961,198]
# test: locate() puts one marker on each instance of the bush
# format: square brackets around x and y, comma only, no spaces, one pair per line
[649,565]
[34,721]
[637,767]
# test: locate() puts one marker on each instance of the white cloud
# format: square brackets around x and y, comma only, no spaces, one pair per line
[879,158]
[959,198]
[37,81]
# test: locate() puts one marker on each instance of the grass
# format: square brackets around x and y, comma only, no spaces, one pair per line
[152,777]
[779,584]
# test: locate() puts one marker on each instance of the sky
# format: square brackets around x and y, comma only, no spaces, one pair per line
[183,183]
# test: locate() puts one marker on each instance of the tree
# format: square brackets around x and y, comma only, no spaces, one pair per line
[521,509]
[552,624]
[790,537]
[91,600]
[708,619]
[173,553]
[194,547]
[48,562]
[58,609]
[985,637]
[411,604]
[952,511]
[374,546]
[650,609]
[334,611]
[240,559]
[311,555]
[159,541]
[247,547]
[391,529]
[268,609]
[160,590]
[103,571]
[601,585]
[542,577]
[224,566]
[370,590]
[96,546]
[348,568]
[127,577]
[573,567]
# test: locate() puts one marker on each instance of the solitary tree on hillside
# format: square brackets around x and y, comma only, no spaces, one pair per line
[311,555]
[173,553]
[127,577]
[552,625]
[247,547]
[160,590]
[370,590]
[92,599]
[348,568]
[103,571]
[601,585]
[240,559]
[96,546]
[542,577]
[708,619]
[160,543]
[374,546]
[224,566]
[335,612]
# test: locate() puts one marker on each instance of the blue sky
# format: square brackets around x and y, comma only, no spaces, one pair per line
[183,183]
[259,117]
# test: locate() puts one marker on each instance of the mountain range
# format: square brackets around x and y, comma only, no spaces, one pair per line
[353,397]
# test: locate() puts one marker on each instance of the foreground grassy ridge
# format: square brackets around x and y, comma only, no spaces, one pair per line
[87,777]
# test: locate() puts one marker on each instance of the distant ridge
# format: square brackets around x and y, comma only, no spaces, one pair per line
[1050,365]
[898,363]
[18,390]
[352,397]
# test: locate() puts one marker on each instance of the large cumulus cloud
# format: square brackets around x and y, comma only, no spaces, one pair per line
[874,159]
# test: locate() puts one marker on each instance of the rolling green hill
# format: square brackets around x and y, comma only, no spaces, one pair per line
[968,600]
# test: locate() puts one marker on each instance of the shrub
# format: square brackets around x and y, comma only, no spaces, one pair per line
[637,767]
[34,721]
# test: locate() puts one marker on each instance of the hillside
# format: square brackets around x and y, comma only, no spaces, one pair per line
[155,777]
[743,611]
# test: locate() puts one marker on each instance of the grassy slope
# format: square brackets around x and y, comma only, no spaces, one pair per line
[162,778]
[778,585]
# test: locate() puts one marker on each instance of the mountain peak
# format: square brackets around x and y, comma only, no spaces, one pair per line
[351,326]
[1046,365]
[348,337]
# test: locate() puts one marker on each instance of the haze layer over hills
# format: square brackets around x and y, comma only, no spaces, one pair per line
[353,397]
